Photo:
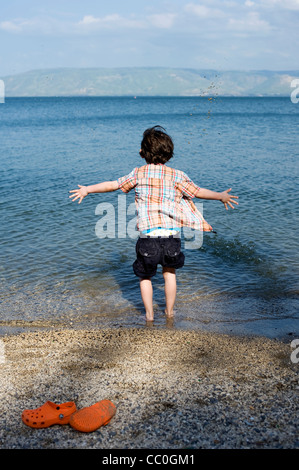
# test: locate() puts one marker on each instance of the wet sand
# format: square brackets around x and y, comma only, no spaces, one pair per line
[173,389]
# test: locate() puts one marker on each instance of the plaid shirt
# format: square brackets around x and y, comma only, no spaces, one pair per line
[163,198]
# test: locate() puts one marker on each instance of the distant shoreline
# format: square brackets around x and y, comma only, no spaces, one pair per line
[149,82]
[149,97]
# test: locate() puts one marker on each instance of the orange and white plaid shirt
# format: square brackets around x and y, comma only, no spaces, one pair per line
[163,198]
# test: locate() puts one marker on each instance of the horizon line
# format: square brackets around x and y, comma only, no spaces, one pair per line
[153,67]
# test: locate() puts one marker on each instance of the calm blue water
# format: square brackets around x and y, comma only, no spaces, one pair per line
[54,268]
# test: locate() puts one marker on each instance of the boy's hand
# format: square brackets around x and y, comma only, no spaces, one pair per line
[228,199]
[79,193]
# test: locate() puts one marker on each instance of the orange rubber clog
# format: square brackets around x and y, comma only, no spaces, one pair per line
[48,414]
[91,418]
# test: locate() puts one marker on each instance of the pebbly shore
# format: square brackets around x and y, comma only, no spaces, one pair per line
[173,389]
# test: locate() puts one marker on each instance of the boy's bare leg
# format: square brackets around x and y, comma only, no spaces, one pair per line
[170,290]
[146,290]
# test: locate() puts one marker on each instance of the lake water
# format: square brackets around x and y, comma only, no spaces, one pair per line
[56,271]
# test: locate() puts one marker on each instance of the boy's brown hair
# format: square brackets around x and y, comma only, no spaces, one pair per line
[156,146]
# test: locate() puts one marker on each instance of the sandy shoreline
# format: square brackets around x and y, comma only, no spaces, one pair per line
[173,389]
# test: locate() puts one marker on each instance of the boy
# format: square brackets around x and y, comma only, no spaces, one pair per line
[163,198]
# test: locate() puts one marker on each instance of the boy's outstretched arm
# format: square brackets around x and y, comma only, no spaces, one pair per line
[224,197]
[83,191]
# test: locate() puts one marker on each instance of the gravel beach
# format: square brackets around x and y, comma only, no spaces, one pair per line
[173,389]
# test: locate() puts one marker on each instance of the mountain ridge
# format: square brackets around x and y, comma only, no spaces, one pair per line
[148,81]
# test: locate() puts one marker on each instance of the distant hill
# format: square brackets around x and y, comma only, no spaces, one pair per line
[153,81]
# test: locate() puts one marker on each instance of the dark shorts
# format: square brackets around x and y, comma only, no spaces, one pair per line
[159,250]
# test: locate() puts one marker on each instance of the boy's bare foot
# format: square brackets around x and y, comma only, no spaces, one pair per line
[149,318]
[169,314]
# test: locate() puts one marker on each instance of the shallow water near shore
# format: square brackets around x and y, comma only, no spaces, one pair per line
[54,269]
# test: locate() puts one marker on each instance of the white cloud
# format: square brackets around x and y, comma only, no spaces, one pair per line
[250,23]
[163,20]
[10,27]
[202,11]
[44,25]
[109,21]
[89,24]
[286,4]
[89,19]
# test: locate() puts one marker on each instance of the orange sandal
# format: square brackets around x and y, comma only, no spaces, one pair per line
[91,418]
[49,414]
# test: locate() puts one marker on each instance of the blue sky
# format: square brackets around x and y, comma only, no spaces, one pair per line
[221,35]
